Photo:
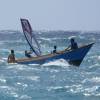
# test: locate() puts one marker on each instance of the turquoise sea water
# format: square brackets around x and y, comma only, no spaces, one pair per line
[54,80]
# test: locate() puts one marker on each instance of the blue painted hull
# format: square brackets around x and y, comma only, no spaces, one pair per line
[74,57]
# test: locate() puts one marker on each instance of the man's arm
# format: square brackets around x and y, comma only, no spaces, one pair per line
[68,48]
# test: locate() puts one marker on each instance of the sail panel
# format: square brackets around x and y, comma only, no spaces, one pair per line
[30,37]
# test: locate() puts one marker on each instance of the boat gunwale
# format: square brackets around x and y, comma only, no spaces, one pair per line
[49,55]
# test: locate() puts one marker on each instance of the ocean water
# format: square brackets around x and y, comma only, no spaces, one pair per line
[55,80]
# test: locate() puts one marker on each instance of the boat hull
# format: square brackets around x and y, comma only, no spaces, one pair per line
[74,57]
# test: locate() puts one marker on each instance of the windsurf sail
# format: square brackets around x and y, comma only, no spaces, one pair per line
[30,37]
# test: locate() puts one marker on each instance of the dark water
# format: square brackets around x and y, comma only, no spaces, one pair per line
[52,81]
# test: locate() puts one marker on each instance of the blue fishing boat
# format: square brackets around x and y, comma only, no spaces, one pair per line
[74,57]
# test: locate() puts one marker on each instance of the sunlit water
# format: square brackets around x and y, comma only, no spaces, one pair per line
[54,80]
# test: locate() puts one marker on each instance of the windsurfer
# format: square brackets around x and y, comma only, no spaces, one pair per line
[73,45]
[55,49]
[11,57]
[28,54]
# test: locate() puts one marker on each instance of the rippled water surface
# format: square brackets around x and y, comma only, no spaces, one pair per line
[54,80]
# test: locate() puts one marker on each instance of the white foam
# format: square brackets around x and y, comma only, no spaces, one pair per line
[34,64]
[47,39]
[87,94]
[71,37]
[18,67]
[91,89]
[2,80]
[54,88]
[93,66]
[14,94]
[9,90]
[99,57]
[22,84]
[2,60]
[25,97]
[33,78]
[74,88]
[91,94]
[4,50]
[95,79]
[60,62]
[92,80]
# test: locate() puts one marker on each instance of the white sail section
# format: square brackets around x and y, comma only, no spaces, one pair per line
[30,37]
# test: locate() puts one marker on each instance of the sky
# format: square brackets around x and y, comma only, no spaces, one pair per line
[51,14]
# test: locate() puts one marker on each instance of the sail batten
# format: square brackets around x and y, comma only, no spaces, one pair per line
[30,37]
